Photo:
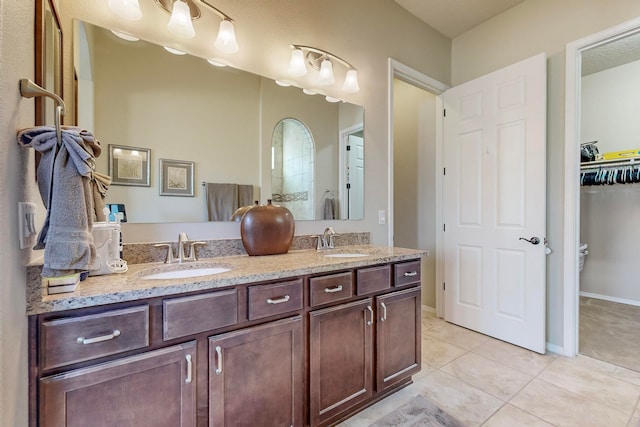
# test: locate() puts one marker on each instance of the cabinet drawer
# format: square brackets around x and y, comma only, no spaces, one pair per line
[276,298]
[406,273]
[335,287]
[199,313]
[76,339]
[373,279]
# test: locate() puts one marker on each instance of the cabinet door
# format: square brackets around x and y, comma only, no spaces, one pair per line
[255,376]
[156,388]
[398,336]
[341,358]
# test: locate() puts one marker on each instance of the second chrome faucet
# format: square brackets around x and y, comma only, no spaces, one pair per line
[183,256]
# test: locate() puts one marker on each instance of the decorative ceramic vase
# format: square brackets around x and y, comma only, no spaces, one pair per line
[267,229]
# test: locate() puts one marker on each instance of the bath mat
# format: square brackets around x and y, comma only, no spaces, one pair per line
[419,412]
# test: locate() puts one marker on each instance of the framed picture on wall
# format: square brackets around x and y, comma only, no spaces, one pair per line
[176,178]
[129,165]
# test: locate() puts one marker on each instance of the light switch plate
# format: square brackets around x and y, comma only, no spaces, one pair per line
[381,217]
[27,224]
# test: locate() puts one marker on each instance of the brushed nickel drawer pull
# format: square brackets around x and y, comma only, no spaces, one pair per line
[384,312]
[278,300]
[219,362]
[189,369]
[370,322]
[410,273]
[112,335]
[333,290]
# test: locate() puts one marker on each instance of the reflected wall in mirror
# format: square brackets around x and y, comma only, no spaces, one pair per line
[183,108]
[48,58]
[609,94]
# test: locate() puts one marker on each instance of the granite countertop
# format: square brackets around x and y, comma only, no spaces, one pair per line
[131,286]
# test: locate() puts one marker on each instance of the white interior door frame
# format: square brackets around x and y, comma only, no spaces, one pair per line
[572,168]
[398,70]
[342,158]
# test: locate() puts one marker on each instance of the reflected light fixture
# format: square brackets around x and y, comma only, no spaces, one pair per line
[174,51]
[216,62]
[183,12]
[125,36]
[126,9]
[180,22]
[323,61]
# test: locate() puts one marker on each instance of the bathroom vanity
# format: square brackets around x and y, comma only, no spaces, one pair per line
[295,339]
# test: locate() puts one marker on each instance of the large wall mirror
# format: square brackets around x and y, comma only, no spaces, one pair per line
[181,108]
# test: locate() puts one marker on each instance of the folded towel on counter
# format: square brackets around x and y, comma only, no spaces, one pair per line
[64,175]
[222,201]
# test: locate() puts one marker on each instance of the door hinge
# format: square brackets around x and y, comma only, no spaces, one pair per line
[444,286]
[444,171]
[444,112]
[444,227]
[348,148]
[348,186]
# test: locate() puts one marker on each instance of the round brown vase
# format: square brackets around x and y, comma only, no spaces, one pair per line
[267,229]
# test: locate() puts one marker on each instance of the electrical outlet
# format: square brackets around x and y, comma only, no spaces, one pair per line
[27,224]
[381,217]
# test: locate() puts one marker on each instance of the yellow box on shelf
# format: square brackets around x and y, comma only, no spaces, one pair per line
[624,154]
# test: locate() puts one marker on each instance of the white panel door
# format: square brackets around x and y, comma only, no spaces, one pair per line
[495,194]
[356,177]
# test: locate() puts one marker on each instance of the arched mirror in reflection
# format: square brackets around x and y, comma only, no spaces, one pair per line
[292,168]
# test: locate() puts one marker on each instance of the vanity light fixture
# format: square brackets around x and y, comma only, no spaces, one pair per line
[283,83]
[126,9]
[216,62]
[332,99]
[323,61]
[183,12]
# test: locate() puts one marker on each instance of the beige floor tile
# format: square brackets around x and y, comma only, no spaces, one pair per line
[438,353]
[570,374]
[562,408]
[618,372]
[468,404]
[635,418]
[496,379]
[510,416]
[456,335]
[515,357]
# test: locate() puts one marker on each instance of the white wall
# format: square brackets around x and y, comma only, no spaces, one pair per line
[523,31]
[610,107]
[414,211]
[16,184]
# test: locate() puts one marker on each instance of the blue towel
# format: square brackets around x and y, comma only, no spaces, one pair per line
[64,175]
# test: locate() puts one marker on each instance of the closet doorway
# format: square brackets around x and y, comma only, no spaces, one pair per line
[608,296]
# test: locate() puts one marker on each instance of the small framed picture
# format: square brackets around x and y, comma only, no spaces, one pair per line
[129,165]
[176,178]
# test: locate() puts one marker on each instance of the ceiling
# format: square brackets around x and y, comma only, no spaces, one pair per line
[454,17]
[618,52]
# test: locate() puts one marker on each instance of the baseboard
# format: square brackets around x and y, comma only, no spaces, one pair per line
[611,299]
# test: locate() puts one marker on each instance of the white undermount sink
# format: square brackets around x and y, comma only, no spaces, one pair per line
[181,274]
[346,255]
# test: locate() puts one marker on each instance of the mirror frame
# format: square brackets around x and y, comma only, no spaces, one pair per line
[42,6]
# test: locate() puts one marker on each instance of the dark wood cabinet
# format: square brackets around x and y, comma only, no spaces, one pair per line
[256,376]
[340,358]
[156,388]
[398,337]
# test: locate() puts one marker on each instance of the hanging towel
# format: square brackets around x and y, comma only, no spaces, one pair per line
[99,185]
[329,208]
[222,201]
[64,175]
[245,195]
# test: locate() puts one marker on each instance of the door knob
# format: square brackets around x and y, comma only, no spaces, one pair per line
[533,240]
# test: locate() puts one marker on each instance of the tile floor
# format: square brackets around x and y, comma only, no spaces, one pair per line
[486,382]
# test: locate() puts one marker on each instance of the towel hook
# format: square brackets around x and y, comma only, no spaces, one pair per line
[28,89]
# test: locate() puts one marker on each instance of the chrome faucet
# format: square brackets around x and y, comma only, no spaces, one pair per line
[183,240]
[326,240]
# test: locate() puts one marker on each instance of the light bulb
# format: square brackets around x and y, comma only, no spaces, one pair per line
[325,78]
[125,36]
[180,22]
[310,91]
[297,66]
[226,41]
[283,83]
[174,51]
[331,99]
[216,62]
[351,82]
[126,9]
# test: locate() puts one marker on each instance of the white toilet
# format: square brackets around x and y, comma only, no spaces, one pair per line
[583,253]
